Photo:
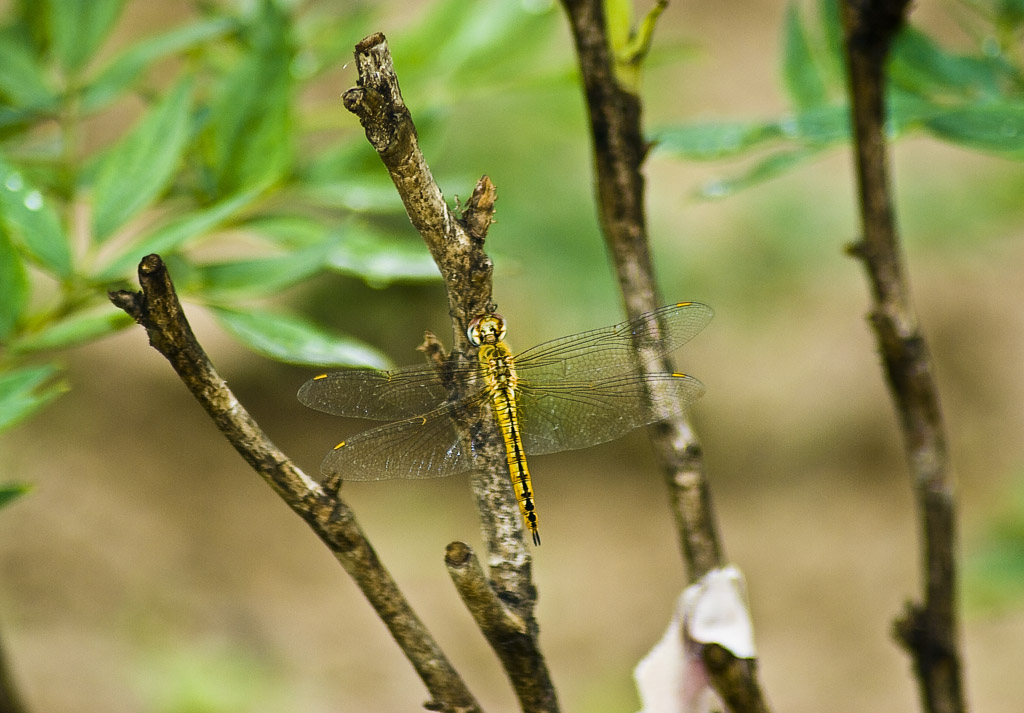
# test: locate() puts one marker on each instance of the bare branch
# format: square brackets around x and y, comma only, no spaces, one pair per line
[377,102]
[619,152]
[456,245]
[928,631]
[466,269]
[511,637]
[735,679]
[158,310]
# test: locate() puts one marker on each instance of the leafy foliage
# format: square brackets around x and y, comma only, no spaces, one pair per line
[994,572]
[11,491]
[295,340]
[141,165]
[25,390]
[975,100]
[230,169]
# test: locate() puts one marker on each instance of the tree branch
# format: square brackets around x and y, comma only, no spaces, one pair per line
[158,310]
[619,153]
[511,637]
[456,245]
[929,631]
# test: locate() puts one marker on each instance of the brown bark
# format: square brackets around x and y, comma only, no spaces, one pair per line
[619,152]
[928,630]
[456,244]
[157,309]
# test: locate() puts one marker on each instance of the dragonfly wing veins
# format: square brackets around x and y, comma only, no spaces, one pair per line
[576,415]
[612,351]
[429,446]
[568,393]
[373,394]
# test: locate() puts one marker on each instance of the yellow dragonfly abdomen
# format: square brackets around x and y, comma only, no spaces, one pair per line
[499,373]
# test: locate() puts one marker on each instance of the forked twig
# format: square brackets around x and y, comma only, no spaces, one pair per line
[158,310]
[513,639]
[456,244]
[929,631]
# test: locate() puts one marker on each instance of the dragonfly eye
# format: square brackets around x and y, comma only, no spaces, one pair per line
[486,329]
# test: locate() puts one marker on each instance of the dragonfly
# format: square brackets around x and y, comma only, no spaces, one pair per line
[568,393]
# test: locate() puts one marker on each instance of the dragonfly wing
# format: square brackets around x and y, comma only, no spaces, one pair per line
[612,351]
[380,395]
[428,446]
[576,414]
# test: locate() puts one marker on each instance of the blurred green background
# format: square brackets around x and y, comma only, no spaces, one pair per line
[149,570]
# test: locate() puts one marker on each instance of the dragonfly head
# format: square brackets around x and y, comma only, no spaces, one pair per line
[486,329]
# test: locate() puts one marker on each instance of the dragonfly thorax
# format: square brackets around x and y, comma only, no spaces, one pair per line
[497,364]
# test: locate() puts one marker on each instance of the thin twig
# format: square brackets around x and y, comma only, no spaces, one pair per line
[929,631]
[377,101]
[456,244]
[158,310]
[619,153]
[512,638]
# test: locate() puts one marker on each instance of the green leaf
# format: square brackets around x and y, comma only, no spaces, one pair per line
[291,232]
[14,287]
[74,330]
[1009,13]
[714,140]
[921,66]
[830,16]
[996,127]
[801,72]
[807,133]
[994,576]
[32,223]
[354,248]
[482,41]
[13,120]
[380,261]
[821,126]
[327,34]
[22,80]
[994,566]
[296,341]
[78,28]
[249,139]
[768,168]
[261,276]
[139,166]
[358,194]
[340,161]
[25,391]
[12,491]
[124,69]
[417,46]
[175,233]
[32,20]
